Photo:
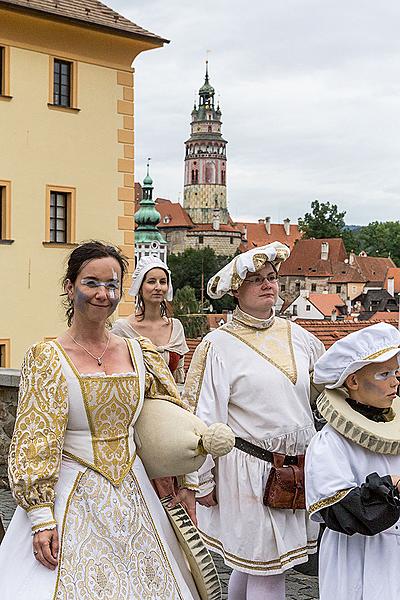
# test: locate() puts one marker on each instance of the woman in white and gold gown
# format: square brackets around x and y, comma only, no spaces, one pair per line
[89,524]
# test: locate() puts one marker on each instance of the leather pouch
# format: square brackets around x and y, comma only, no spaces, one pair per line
[285,484]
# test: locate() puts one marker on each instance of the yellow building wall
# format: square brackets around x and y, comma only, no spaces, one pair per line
[90,150]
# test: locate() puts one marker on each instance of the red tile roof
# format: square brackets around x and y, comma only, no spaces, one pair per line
[330,331]
[393,273]
[305,259]
[257,235]
[386,316]
[174,212]
[90,13]
[214,320]
[373,268]
[326,303]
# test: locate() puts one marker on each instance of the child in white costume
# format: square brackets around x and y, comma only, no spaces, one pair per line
[353,467]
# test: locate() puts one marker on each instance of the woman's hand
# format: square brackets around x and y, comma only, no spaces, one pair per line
[187,499]
[209,500]
[45,548]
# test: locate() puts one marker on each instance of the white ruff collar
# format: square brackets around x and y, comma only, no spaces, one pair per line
[250,321]
[383,438]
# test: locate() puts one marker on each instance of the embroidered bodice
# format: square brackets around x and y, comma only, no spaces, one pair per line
[87,418]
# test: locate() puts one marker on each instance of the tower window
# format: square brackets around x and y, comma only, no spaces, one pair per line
[201,239]
[223,177]
[209,128]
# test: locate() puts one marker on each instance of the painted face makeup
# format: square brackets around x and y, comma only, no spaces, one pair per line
[386,375]
[112,287]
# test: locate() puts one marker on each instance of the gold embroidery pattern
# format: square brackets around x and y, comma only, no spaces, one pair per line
[111,404]
[160,384]
[195,375]
[328,501]
[259,261]
[282,562]
[36,446]
[110,546]
[276,346]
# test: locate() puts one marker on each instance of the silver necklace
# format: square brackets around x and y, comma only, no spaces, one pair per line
[98,358]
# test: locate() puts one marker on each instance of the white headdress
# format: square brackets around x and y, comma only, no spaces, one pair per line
[233,274]
[374,344]
[145,264]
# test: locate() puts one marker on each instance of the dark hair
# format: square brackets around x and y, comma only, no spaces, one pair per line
[82,255]
[140,306]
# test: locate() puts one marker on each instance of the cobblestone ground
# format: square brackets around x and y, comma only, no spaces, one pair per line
[298,586]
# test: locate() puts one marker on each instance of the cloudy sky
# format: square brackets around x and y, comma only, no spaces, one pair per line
[310,99]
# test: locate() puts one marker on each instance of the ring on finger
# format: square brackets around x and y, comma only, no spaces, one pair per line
[35,552]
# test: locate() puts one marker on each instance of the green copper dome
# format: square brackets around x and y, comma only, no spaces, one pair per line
[147,217]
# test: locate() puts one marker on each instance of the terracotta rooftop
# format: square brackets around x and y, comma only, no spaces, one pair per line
[326,303]
[257,235]
[90,13]
[172,214]
[373,268]
[386,316]
[330,331]
[393,273]
[305,259]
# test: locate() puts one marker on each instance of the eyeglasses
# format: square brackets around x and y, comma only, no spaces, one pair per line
[258,280]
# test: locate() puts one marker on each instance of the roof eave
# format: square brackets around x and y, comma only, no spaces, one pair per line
[154,39]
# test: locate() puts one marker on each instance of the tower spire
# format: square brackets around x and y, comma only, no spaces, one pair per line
[148,239]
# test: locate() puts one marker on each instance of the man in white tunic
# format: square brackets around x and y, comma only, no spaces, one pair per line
[254,374]
[353,467]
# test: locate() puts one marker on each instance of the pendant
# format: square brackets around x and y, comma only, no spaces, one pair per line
[99,362]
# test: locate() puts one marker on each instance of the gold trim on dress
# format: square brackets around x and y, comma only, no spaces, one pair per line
[195,375]
[60,556]
[328,501]
[258,565]
[44,525]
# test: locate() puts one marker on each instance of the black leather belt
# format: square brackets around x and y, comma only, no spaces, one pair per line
[261,453]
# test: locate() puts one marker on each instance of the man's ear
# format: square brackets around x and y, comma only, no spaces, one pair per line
[352,382]
[235,293]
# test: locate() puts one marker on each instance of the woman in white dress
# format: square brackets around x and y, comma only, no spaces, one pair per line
[254,374]
[89,524]
[152,287]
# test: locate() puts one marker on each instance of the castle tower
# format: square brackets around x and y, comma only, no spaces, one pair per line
[148,239]
[205,161]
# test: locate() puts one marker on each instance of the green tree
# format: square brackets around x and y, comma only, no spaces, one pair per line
[324,221]
[381,239]
[187,269]
[186,308]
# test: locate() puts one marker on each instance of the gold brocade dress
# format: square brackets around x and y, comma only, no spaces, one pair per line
[73,466]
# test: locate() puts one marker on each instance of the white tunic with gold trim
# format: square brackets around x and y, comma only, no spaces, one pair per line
[73,465]
[255,376]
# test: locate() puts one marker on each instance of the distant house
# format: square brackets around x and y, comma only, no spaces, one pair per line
[320,266]
[374,301]
[392,281]
[373,268]
[315,306]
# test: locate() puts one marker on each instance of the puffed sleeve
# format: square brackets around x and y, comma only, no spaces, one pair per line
[329,474]
[160,383]
[37,442]
[207,393]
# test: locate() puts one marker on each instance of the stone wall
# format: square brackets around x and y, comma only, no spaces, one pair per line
[9,383]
